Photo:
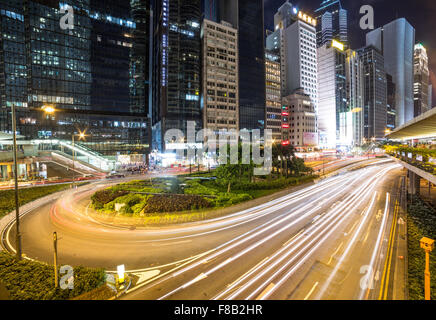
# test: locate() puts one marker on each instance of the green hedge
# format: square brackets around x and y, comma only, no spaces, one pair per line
[26,195]
[175,203]
[28,280]
[421,223]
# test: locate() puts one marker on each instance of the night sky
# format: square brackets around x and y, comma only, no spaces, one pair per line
[421,14]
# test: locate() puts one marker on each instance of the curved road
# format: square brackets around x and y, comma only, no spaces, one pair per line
[309,244]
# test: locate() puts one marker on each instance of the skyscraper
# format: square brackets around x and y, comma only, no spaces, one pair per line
[355,94]
[332,23]
[391,108]
[396,41]
[251,64]
[295,39]
[220,95]
[332,94]
[84,73]
[140,64]
[273,95]
[375,93]
[176,67]
[248,17]
[421,80]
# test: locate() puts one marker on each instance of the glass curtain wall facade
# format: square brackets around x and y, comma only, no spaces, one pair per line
[421,80]
[110,56]
[140,77]
[332,23]
[251,65]
[82,69]
[176,66]
[375,97]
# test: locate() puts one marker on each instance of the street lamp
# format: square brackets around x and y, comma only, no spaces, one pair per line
[17,204]
[428,245]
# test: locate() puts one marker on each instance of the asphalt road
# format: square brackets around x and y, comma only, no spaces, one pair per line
[325,241]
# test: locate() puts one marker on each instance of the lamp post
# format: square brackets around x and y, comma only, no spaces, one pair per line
[17,204]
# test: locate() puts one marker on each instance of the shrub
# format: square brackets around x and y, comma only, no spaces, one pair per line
[175,203]
[421,222]
[29,280]
[100,198]
[26,195]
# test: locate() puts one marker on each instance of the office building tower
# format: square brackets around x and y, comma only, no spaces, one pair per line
[220,77]
[332,94]
[295,39]
[300,129]
[353,134]
[248,17]
[332,23]
[176,67]
[390,108]
[273,95]
[140,64]
[251,64]
[430,96]
[375,93]
[421,80]
[82,72]
[396,41]
[111,44]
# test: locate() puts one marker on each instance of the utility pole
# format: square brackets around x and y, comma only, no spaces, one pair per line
[17,203]
[428,245]
[55,246]
[74,161]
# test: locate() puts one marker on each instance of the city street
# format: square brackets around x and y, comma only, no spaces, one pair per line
[325,241]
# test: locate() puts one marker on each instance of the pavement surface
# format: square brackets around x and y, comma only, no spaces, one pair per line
[329,240]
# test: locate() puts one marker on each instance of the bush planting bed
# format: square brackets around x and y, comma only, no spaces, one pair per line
[28,280]
[421,223]
[26,195]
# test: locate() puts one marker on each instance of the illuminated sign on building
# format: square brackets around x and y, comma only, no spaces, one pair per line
[304,17]
[165,15]
[338,45]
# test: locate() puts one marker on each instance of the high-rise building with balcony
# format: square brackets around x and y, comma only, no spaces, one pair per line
[220,77]
[421,80]
[396,41]
[332,23]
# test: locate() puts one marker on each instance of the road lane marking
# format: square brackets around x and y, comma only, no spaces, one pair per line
[337,250]
[264,292]
[387,267]
[311,291]
[378,243]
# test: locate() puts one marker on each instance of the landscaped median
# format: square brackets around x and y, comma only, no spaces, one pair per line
[26,195]
[172,200]
[421,222]
[29,280]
